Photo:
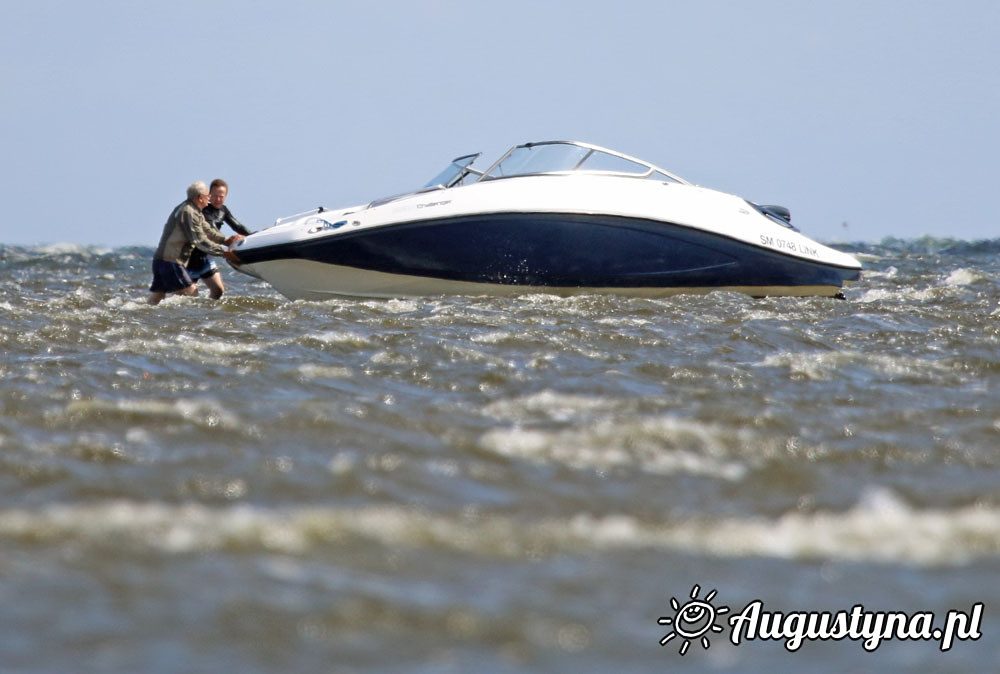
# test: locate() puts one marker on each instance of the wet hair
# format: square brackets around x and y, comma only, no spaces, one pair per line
[196,189]
[219,182]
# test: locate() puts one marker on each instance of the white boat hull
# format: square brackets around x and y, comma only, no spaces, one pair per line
[564,233]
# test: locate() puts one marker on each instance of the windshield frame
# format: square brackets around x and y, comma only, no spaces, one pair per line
[455,172]
[574,165]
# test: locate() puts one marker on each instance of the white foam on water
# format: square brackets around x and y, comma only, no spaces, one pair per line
[963,277]
[911,293]
[310,371]
[143,346]
[824,365]
[876,295]
[868,257]
[138,436]
[550,404]
[126,303]
[203,349]
[393,306]
[202,412]
[629,322]
[888,272]
[660,445]
[338,337]
[461,352]
[881,528]
[70,249]
[495,337]
[386,357]
[220,347]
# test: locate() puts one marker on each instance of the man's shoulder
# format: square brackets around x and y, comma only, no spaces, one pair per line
[190,211]
[179,209]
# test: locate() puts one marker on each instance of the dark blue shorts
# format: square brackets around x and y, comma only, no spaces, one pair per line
[201,266]
[169,277]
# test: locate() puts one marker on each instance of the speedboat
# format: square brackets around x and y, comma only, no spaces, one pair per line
[560,217]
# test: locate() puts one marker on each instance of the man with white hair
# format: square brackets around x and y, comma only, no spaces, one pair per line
[186,229]
[200,266]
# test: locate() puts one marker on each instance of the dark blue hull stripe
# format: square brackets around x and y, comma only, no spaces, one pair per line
[555,249]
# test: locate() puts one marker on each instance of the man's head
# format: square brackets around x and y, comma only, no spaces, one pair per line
[218,191]
[198,193]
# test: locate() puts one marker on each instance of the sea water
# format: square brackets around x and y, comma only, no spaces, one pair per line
[470,484]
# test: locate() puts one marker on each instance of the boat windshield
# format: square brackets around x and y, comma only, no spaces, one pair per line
[456,171]
[564,157]
[552,157]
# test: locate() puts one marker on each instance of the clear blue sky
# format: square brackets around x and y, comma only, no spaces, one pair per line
[882,114]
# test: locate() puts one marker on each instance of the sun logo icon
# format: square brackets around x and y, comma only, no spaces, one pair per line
[693,620]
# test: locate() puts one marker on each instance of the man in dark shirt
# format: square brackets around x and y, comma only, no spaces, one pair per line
[216,213]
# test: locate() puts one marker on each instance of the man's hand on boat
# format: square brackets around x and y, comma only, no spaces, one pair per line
[229,253]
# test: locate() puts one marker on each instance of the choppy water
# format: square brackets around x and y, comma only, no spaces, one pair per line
[490,485]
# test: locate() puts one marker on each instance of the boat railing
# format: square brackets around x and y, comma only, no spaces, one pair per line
[290,218]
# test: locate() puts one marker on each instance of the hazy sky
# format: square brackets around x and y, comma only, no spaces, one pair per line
[881,114]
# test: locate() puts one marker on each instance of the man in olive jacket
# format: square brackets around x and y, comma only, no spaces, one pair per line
[185,230]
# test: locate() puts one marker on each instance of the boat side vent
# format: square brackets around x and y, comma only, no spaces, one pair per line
[779,214]
[779,211]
